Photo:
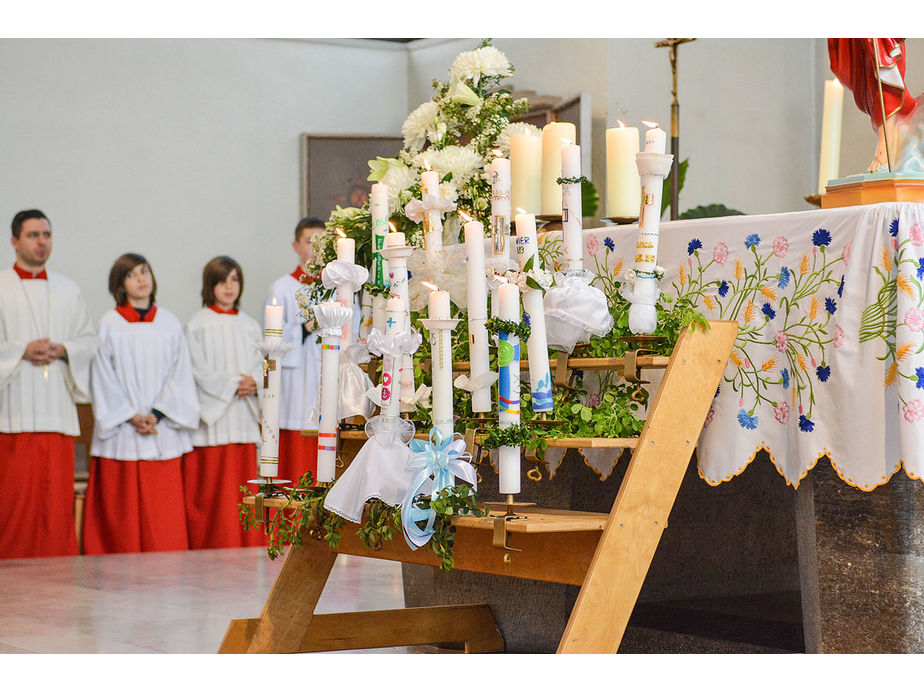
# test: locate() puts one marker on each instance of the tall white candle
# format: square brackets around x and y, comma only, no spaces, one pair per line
[829,159]
[572,219]
[269,450]
[346,252]
[433,225]
[441,363]
[500,207]
[477,297]
[540,378]
[330,404]
[378,312]
[623,186]
[397,273]
[508,390]
[526,172]
[392,366]
[378,210]
[553,135]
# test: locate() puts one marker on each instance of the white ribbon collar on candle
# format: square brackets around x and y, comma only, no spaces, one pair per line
[478,382]
[340,272]
[331,317]
[274,347]
[398,344]
[499,265]
[575,310]
[415,210]
[418,398]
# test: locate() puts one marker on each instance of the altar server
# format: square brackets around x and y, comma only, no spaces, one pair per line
[146,408]
[228,369]
[301,367]
[46,344]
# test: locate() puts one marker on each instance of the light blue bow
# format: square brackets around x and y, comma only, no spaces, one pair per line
[440,459]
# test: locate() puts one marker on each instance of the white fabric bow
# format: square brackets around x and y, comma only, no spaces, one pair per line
[340,272]
[478,382]
[415,210]
[575,310]
[331,317]
[405,342]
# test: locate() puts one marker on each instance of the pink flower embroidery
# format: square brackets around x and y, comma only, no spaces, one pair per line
[593,245]
[894,244]
[780,246]
[914,320]
[782,341]
[913,410]
[845,253]
[917,235]
[838,336]
[781,412]
[720,253]
[709,417]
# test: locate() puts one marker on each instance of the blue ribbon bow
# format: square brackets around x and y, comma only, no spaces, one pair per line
[440,459]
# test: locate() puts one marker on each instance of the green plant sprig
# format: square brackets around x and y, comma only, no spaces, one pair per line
[521,329]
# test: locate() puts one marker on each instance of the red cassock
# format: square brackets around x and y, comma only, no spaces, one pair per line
[297,454]
[38,515]
[853,61]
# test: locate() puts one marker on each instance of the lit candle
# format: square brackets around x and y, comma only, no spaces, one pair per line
[346,252]
[508,390]
[526,172]
[540,378]
[552,136]
[477,297]
[272,320]
[441,362]
[829,160]
[433,226]
[269,450]
[378,210]
[655,138]
[500,207]
[623,186]
[572,219]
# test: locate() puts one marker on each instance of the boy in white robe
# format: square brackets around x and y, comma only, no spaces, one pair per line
[146,408]
[228,369]
[46,344]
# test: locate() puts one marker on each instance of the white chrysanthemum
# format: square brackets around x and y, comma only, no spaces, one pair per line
[417,123]
[399,178]
[503,139]
[449,191]
[461,162]
[473,65]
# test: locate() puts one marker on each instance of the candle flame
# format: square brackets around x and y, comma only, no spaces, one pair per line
[430,285]
[621,124]
[465,216]
[391,225]
[649,123]
[500,278]
[498,152]
[274,300]
[520,210]
[426,164]
[565,140]
[341,232]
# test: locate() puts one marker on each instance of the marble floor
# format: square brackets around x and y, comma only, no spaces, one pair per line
[165,602]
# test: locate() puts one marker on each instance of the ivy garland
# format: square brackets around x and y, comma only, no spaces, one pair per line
[521,329]
[517,435]
[573,179]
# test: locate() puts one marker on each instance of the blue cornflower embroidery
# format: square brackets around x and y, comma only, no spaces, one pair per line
[823,373]
[785,374]
[805,424]
[767,310]
[784,278]
[919,372]
[752,241]
[920,269]
[893,228]
[608,242]
[723,289]
[821,237]
[746,421]
[693,246]
[830,305]
[840,289]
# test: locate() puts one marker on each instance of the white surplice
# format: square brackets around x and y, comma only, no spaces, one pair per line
[222,347]
[301,367]
[34,309]
[142,366]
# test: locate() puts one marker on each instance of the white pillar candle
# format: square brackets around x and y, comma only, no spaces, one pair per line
[272,320]
[540,378]
[508,390]
[269,450]
[477,297]
[397,273]
[433,225]
[378,210]
[553,135]
[572,219]
[441,363]
[829,159]
[526,172]
[655,140]
[346,252]
[392,366]
[500,207]
[623,185]
[330,403]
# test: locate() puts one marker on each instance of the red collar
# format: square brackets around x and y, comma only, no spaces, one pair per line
[218,310]
[127,311]
[26,274]
[298,273]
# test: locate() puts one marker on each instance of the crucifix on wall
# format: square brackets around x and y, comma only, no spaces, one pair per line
[671,44]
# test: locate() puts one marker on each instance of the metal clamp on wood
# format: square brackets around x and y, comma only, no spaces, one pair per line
[501,535]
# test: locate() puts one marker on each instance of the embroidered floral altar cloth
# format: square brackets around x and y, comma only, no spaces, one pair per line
[828,360]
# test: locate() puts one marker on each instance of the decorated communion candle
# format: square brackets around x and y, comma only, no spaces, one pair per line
[330,403]
[441,363]
[526,172]
[623,186]
[269,450]
[829,160]
[572,219]
[477,296]
[540,378]
[433,226]
[508,391]
[378,209]
[397,272]
[395,322]
[553,135]
[500,207]
[346,252]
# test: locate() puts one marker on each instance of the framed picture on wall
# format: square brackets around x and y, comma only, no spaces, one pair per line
[334,169]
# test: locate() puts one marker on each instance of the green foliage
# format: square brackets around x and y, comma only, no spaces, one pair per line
[590,200]
[666,187]
[458,500]
[521,329]
[709,211]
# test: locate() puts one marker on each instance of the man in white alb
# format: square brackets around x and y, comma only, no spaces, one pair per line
[47,342]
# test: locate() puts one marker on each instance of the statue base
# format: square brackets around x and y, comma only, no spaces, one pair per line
[872,188]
